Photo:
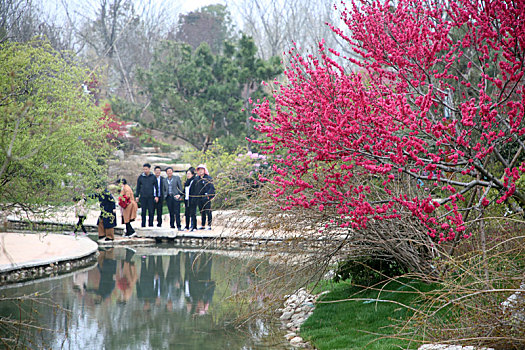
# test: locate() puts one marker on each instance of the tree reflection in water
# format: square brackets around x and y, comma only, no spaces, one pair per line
[157,300]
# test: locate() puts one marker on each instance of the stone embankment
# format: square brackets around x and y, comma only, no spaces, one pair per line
[45,270]
[296,310]
[449,347]
[31,256]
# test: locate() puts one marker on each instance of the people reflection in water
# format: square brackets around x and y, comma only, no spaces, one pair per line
[151,282]
[80,282]
[126,277]
[107,267]
[173,284]
[198,285]
[180,282]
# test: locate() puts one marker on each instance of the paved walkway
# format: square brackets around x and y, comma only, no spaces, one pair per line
[19,250]
[27,250]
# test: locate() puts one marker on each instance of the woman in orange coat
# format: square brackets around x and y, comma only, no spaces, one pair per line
[128,207]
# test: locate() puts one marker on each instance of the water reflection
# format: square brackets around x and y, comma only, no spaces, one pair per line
[132,300]
[198,286]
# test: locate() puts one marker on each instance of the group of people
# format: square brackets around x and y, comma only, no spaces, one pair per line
[182,282]
[151,192]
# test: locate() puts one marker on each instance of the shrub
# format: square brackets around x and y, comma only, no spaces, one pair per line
[235,174]
[367,271]
[468,308]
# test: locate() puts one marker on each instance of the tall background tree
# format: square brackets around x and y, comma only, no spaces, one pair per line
[199,96]
[53,139]
[276,25]
[120,37]
[22,20]
[210,24]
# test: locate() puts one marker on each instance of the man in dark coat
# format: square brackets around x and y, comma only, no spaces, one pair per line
[206,192]
[146,189]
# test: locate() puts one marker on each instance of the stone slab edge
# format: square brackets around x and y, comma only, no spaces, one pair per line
[30,281]
[90,248]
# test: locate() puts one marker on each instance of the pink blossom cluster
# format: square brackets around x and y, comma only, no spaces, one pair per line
[253,157]
[437,96]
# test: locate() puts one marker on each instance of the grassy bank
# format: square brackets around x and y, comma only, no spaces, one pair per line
[363,318]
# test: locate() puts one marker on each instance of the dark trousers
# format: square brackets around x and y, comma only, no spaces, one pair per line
[80,224]
[192,212]
[174,208]
[158,208]
[205,209]
[146,203]
[187,213]
[129,229]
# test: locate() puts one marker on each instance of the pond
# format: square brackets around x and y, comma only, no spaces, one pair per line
[141,298]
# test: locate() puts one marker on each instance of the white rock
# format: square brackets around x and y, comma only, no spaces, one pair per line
[290,325]
[322,293]
[296,340]
[286,316]
[307,308]
[449,347]
[329,275]
[298,322]
[119,154]
[290,336]
[298,315]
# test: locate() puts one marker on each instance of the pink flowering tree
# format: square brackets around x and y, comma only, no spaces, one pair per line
[429,118]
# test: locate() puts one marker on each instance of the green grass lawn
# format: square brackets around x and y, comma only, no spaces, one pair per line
[362,324]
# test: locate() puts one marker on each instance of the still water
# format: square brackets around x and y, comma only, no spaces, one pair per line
[142,298]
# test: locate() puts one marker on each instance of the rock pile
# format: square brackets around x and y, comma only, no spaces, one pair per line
[449,347]
[297,308]
[514,306]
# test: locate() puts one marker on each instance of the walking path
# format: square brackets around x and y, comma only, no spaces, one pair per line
[27,249]
[20,251]
[28,254]
[24,251]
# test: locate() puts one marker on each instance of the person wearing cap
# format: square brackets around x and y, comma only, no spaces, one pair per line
[206,192]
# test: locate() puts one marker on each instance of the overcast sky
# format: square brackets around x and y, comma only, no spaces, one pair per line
[191,5]
[86,8]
